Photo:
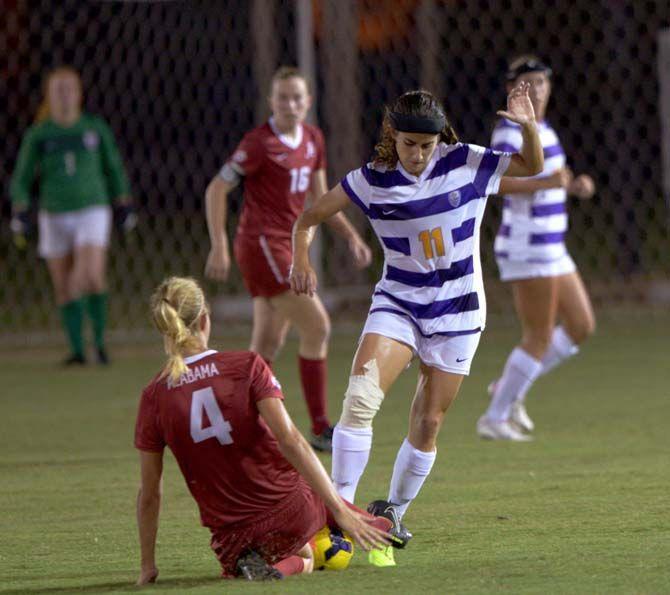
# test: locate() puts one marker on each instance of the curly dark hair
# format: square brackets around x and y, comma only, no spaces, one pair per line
[419,103]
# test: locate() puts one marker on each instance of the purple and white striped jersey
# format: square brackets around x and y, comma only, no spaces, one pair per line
[533,225]
[429,229]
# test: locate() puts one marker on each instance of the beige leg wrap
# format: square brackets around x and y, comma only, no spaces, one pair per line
[363,398]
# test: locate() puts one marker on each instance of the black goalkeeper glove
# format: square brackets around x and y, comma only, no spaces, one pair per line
[125,217]
[21,227]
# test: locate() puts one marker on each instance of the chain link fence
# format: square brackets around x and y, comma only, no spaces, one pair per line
[180,82]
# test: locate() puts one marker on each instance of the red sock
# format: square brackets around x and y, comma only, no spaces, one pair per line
[290,565]
[313,377]
[268,362]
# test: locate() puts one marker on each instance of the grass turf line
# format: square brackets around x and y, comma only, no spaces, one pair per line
[583,509]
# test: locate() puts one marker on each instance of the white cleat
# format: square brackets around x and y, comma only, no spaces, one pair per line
[499,430]
[491,388]
[520,417]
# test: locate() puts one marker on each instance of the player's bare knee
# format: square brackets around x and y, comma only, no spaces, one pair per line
[320,331]
[267,348]
[427,426]
[96,283]
[363,397]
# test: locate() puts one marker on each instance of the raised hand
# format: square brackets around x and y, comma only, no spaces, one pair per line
[519,107]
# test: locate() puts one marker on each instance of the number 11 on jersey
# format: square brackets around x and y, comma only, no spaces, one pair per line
[430,237]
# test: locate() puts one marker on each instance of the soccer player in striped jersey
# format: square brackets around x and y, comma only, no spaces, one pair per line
[282,163]
[532,256]
[424,194]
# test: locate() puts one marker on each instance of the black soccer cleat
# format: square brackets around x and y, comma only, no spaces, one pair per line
[400,536]
[103,358]
[323,442]
[252,567]
[76,359]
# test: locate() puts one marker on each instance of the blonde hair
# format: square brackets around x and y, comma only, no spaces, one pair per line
[176,308]
[44,110]
[413,103]
[289,72]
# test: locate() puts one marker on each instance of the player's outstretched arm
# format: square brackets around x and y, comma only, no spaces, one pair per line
[301,455]
[530,160]
[340,224]
[148,508]
[561,178]
[216,204]
[303,277]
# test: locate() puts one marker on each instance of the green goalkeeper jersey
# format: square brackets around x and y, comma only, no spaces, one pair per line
[78,166]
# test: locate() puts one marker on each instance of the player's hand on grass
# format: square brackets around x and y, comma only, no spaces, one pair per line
[147,575]
[361,253]
[582,187]
[561,178]
[358,527]
[303,278]
[519,106]
[218,263]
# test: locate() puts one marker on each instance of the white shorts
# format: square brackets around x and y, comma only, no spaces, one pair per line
[448,353]
[515,270]
[61,233]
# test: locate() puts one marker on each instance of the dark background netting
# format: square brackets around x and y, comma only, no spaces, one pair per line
[180,82]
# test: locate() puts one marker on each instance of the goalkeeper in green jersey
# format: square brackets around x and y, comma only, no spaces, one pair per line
[80,175]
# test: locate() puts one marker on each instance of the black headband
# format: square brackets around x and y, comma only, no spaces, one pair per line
[422,125]
[531,65]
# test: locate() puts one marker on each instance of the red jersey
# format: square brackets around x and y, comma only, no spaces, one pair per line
[208,418]
[277,174]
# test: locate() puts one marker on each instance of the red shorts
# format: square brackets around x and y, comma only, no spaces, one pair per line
[265,263]
[280,535]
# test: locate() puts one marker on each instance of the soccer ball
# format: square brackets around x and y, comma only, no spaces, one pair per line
[333,550]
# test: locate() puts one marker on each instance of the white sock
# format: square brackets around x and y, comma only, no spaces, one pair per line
[520,372]
[410,470]
[351,451]
[561,348]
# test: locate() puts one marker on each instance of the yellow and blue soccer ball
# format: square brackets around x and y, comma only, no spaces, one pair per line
[333,550]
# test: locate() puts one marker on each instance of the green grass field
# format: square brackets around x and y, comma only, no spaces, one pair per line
[583,509]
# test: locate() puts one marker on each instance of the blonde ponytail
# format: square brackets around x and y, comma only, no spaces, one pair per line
[176,306]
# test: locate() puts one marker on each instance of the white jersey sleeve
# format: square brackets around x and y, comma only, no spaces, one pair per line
[489,167]
[506,137]
[357,187]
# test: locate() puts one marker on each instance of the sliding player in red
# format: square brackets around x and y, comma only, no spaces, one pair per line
[259,486]
[281,162]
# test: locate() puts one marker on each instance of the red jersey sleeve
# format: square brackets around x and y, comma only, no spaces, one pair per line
[148,435]
[320,150]
[248,156]
[264,385]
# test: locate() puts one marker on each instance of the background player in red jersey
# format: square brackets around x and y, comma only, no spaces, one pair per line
[282,162]
[259,486]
